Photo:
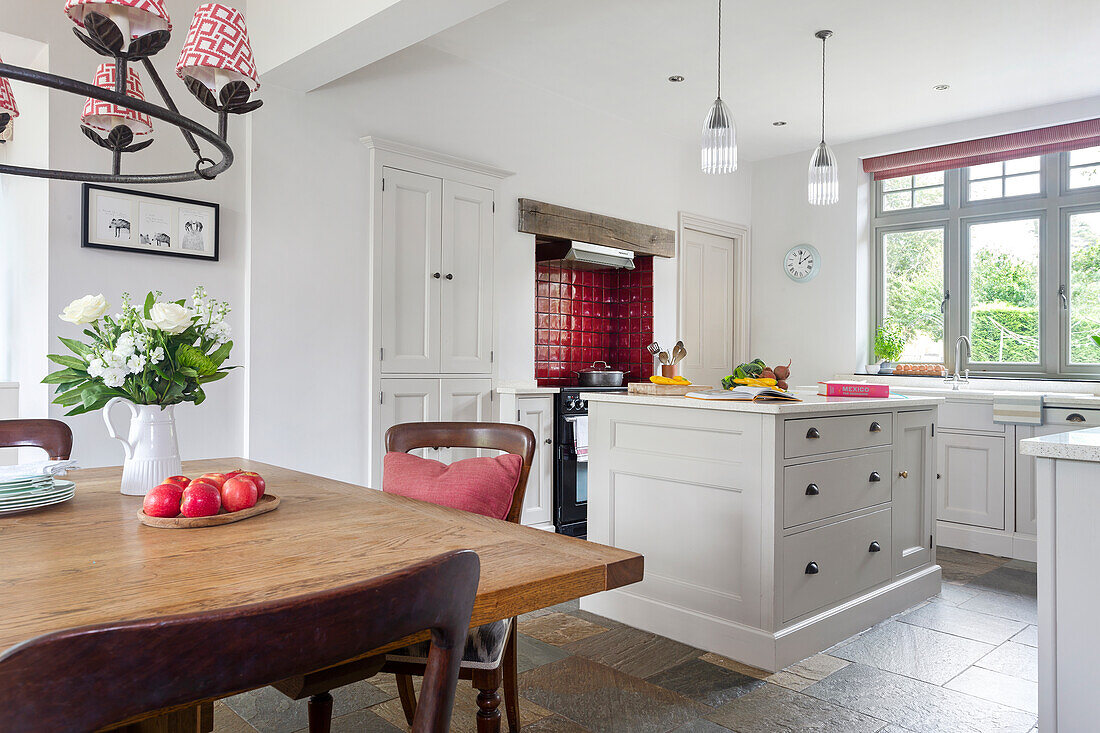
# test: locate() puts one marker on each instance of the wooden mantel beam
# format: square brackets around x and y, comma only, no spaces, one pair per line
[558,222]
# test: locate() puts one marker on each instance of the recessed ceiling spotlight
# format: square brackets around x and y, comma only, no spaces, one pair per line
[779,123]
[942,87]
[676,78]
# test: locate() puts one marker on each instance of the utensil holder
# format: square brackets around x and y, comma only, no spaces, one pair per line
[670,370]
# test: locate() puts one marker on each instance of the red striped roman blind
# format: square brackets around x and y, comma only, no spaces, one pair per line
[1057,139]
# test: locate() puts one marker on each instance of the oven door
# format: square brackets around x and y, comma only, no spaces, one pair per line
[571,493]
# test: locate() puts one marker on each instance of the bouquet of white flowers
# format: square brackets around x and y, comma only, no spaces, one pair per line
[161,355]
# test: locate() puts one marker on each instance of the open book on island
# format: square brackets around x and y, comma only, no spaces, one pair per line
[744,393]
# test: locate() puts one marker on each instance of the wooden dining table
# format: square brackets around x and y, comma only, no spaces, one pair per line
[90,560]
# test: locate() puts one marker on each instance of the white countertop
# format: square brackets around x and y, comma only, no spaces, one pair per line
[1055,393]
[1079,445]
[811,402]
[522,389]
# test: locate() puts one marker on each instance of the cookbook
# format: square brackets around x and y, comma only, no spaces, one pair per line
[744,393]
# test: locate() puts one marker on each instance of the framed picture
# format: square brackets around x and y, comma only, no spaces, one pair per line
[132,221]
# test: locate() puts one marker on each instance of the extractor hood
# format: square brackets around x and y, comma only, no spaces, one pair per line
[583,255]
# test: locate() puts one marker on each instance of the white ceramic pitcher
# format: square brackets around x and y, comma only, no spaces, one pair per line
[152,451]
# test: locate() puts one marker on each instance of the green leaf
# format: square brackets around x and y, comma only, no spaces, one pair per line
[69,398]
[173,378]
[150,300]
[189,356]
[150,395]
[91,395]
[219,356]
[188,372]
[212,377]
[63,376]
[77,347]
[67,361]
[199,396]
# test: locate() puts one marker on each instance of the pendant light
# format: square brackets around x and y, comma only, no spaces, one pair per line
[719,132]
[824,178]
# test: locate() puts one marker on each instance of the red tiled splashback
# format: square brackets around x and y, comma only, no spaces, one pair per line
[584,316]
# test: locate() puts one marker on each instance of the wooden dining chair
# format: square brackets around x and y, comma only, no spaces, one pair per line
[52,436]
[489,660]
[88,678]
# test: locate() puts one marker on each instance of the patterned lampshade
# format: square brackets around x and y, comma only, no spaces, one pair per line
[104,116]
[7,98]
[142,16]
[217,50]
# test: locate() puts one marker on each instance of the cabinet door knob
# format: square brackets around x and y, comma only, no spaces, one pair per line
[876,428]
[1075,417]
[812,434]
[549,441]
[450,276]
[812,569]
[875,547]
[903,474]
[812,490]
[874,477]
[437,275]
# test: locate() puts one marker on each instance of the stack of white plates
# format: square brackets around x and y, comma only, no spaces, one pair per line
[33,492]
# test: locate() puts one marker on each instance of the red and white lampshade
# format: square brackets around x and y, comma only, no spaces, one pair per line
[217,50]
[7,98]
[105,116]
[133,17]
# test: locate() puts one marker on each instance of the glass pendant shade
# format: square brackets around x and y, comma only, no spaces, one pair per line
[824,178]
[719,140]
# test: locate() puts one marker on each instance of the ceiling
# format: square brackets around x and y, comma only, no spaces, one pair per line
[884,59]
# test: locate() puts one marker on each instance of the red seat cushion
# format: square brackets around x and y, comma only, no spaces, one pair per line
[481,485]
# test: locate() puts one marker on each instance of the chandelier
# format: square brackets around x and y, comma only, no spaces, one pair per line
[216,66]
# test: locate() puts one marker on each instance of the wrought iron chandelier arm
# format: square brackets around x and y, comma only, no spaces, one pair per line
[170,104]
[72,86]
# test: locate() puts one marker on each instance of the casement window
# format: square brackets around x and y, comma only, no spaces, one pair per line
[1002,249]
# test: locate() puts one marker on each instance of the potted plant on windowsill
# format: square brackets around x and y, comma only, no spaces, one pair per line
[148,359]
[890,340]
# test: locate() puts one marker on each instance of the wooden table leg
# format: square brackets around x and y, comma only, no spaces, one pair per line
[320,713]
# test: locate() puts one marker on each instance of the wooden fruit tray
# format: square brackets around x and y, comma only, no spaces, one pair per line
[267,503]
[664,390]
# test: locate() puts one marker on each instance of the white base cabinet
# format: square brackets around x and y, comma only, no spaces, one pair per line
[535,411]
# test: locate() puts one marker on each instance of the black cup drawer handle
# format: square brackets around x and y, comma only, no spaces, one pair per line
[812,490]
[812,569]
[812,434]
[874,477]
[876,428]
[875,547]
[1075,417]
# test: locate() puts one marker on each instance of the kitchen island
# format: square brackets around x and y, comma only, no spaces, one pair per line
[771,530]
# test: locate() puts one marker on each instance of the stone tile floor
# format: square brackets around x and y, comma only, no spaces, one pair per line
[965,661]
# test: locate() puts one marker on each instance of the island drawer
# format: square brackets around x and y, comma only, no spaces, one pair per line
[834,486]
[812,435]
[828,564]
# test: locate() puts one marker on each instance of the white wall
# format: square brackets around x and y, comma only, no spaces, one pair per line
[824,324]
[309,203]
[215,428]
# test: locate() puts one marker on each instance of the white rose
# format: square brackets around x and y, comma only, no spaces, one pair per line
[85,310]
[169,317]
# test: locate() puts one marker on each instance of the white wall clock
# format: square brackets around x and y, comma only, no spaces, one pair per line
[802,263]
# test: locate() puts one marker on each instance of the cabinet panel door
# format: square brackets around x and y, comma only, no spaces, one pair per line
[972,479]
[537,413]
[1025,476]
[912,505]
[467,287]
[407,400]
[465,400]
[411,256]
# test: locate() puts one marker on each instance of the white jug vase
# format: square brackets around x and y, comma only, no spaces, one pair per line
[152,451]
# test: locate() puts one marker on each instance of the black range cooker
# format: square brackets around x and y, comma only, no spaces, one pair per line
[571,470]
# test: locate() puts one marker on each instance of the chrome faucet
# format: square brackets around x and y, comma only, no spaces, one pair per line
[956,380]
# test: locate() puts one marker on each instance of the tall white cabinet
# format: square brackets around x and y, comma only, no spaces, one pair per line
[534,408]
[431,354]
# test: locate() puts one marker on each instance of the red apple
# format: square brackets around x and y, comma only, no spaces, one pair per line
[214,478]
[180,481]
[239,493]
[200,499]
[261,485]
[163,501]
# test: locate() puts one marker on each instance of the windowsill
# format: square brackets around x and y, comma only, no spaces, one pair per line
[990,384]
[992,377]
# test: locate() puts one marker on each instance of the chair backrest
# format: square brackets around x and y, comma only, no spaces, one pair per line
[52,436]
[88,678]
[515,439]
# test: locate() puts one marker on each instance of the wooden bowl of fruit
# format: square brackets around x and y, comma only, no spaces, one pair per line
[210,500]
